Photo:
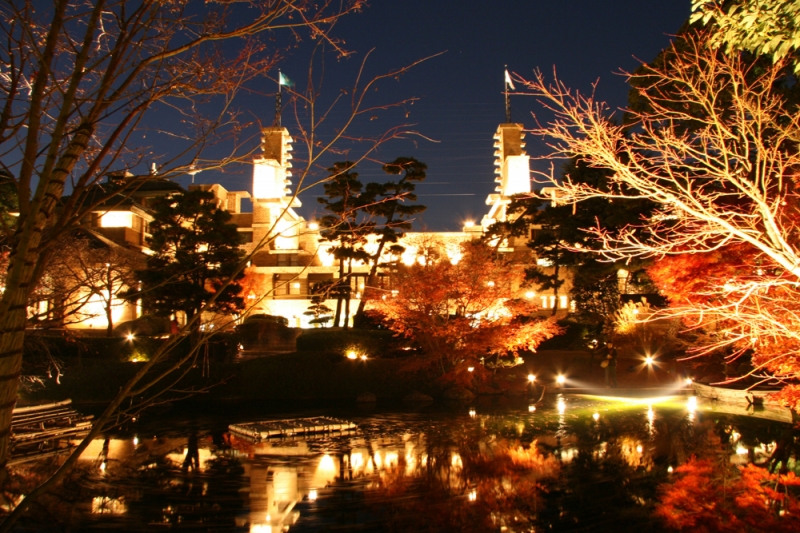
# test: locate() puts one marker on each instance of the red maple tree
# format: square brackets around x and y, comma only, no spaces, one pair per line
[709,496]
[464,311]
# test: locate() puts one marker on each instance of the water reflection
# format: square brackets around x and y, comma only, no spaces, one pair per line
[572,463]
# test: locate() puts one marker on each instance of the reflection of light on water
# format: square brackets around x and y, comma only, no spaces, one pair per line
[455,460]
[691,404]
[741,450]
[655,400]
[356,460]
[106,505]
[651,415]
[327,465]
[562,405]
[596,416]
[410,464]
[312,495]
[473,495]
[391,459]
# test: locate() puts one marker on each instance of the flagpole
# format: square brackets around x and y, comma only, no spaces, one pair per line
[508,102]
[278,102]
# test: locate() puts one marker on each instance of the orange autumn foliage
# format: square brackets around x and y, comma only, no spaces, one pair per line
[708,497]
[464,312]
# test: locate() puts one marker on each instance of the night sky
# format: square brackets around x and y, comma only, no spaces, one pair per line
[460,92]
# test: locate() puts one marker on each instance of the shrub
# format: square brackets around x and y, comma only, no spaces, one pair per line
[370,342]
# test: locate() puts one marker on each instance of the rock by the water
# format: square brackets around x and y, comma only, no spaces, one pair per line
[417,397]
[366,397]
[459,393]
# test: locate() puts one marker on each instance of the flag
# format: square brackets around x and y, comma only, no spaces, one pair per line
[509,83]
[283,79]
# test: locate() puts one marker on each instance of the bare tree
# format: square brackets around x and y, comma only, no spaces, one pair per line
[79,79]
[85,280]
[716,150]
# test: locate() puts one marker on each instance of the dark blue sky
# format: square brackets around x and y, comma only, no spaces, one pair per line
[460,92]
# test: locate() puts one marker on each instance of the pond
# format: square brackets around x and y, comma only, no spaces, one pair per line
[570,463]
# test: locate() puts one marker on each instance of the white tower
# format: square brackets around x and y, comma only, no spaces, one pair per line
[272,197]
[513,172]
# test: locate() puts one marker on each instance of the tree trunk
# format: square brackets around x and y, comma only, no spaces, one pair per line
[555,289]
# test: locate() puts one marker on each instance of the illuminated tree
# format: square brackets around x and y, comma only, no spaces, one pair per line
[89,271]
[463,310]
[763,27]
[726,183]
[713,496]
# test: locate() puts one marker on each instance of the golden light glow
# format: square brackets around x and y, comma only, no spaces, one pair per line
[470,369]
[131,336]
[531,408]
[531,378]
[352,355]
[116,219]
[473,495]
[472,412]
[455,460]
[560,379]
[312,495]
[596,416]
[562,406]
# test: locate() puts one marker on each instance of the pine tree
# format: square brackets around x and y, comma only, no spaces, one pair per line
[196,261]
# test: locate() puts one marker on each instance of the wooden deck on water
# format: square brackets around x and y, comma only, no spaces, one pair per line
[42,430]
[291,427]
[753,403]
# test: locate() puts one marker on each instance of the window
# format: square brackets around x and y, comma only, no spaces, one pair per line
[287,285]
[288,260]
